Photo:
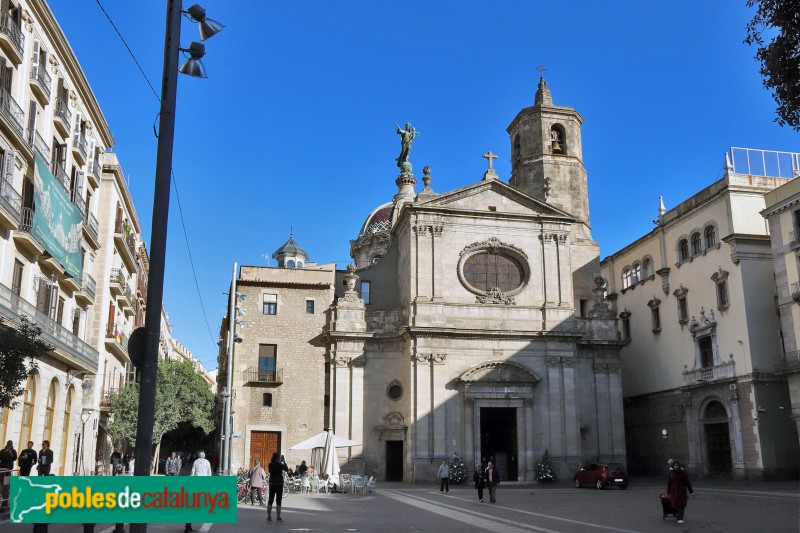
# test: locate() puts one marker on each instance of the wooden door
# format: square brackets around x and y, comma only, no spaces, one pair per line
[263,444]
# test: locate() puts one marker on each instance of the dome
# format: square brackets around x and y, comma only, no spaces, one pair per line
[380,219]
[290,247]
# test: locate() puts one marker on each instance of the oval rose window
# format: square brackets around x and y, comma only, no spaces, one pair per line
[486,271]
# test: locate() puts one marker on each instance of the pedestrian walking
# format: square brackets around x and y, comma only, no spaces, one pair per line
[201,467]
[444,477]
[45,459]
[276,467]
[173,465]
[116,462]
[7,457]
[257,476]
[27,458]
[479,480]
[492,479]
[677,486]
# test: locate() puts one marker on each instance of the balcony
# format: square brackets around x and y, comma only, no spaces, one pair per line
[66,346]
[79,148]
[73,284]
[93,171]
[91,230]
[116,341]
[795,290]
[125,241]
[39,145]
[79,202]
[116,282]
[62,118]
[11,38]
[126,301]
[61,176]
[107,398]
[88,290]
[263,378]
[709,374]
[10,206]
[23,236]
[12,113]
[40,84]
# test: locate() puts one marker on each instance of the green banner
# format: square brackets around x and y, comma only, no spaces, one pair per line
[123,499]
[57,223]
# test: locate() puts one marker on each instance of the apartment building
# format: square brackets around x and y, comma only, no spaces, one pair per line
[52,135]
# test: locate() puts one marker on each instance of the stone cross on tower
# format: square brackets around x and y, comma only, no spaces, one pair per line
[541,70]
[490,174]
[489,156]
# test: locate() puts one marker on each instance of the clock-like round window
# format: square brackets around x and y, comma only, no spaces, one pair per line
[487,270]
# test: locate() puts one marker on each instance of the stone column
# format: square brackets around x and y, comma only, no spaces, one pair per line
[422,407]
[357,405]
[528,460]
[736,430]
[470,452]
[549,269]
[439,399]
[555,407]
[421,253]
[603,414]
[436,264]
[565,297]
[341,415]
[570,393]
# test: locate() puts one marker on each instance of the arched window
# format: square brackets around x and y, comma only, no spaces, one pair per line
[716,410]
[65,430]
[626,278]
[281,263]
[647,267]
[697,244]
[49,412]
[515,150]
[637,273]
[299,264]
[487,271]
[28,405]
[711,236]
[290,263]
[683,250]
[558,139]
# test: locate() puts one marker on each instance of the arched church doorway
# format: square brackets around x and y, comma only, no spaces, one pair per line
[718,442]
[499,440]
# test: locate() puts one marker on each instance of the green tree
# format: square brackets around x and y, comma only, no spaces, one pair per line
[182,395]
[544,469]
[19,350]
[780,55]
[457,472]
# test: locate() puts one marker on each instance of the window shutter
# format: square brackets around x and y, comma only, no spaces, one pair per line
[35,61]
[77,126]
[90,164]
[9,162]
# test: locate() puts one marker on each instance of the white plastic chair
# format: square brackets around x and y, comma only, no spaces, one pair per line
[322,486]
[305,485]
[371,484]
[347,483]
[360,485]
[296,484]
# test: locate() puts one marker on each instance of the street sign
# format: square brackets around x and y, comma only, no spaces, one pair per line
[237,436]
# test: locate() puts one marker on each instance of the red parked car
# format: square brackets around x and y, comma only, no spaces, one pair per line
[602,475]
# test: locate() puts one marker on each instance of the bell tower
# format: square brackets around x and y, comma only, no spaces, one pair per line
[547,156]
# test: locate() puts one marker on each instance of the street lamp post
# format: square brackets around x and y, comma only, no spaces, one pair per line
[148,358]
[85,416]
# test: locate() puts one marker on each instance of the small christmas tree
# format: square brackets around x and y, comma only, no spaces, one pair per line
[457,472]
[544,469]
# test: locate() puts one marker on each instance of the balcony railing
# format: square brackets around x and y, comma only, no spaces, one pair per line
[63,112]
[124,229]
[39,145]
[9,27]
[61,175]
[12,111]
[10,199]
[89,285]
[254,375]
[26,223]
[13,307]
[709,374]
[79,202]
[108,397]
[118,277]
[80,143]
[40,75]
[90,222]
[113,331]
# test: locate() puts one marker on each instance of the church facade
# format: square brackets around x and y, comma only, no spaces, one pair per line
[471,322]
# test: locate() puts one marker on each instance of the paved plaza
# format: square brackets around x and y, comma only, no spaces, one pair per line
[719,506]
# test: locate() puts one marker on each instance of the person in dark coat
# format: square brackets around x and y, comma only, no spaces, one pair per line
[677,486]
[45,459]
[492,479]
[27,458]
[277,466]
[478,479]
[7,457]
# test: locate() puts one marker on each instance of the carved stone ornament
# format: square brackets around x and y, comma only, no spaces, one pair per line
[394,419]
[350,279]
[28,20]
[437,230]
[654,303]
[439,358]
[554,360]
[495,296]
[421,229]
[600,366]
[500,372]
[423,357]
[342,361]
[719,276]
[492,245]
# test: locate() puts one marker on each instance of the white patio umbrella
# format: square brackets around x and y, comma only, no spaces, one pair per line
[330,460]
[320,439]
[326,442]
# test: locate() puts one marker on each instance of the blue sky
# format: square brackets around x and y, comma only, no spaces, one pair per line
[295,124]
